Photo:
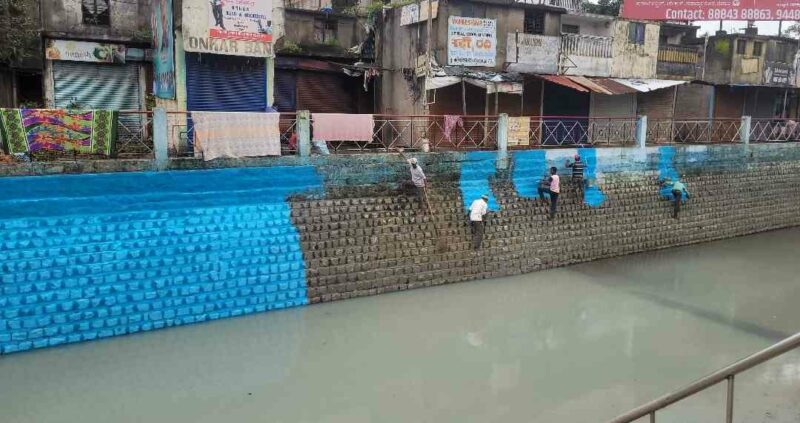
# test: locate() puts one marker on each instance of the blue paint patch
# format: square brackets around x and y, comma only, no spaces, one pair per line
[476,170]
[92,256]
[666,169]
[529,168]
[592,195]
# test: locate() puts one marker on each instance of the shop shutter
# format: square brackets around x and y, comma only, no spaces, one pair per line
[614,106]
[656,104]
[285,90]
[321,92]
[729,101]
[693,101]
[100,86]
[225,83]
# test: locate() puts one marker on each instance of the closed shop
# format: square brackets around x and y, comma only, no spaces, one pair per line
[566,112]
[225,83]
[100,86]
[613,106]
[656,104]
[320,87]
[728,101]
[694,101]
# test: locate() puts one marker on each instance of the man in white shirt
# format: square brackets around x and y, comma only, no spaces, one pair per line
[417,175]
[477,210]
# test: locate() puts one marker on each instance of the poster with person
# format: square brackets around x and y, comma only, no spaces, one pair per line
[248,20]
[163,46]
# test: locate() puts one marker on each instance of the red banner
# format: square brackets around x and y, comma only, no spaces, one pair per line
[712,10]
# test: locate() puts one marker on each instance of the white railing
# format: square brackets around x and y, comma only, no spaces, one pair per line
[586,45]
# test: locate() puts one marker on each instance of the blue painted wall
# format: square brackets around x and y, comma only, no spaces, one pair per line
[93,256]
[529,169]
[592,195]
[476,170]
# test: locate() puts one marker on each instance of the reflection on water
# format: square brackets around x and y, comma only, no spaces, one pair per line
[578,344]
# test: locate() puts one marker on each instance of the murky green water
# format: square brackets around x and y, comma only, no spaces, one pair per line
[578,344]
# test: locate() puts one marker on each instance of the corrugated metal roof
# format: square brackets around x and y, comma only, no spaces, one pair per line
[588,83]
[564,81]
[615,87]
[647,85]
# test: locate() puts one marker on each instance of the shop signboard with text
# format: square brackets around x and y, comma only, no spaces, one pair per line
[233,27]
[84,51]
[471,41]
[713,10]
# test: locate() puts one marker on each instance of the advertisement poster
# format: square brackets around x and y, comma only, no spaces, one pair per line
[234,27]
[83,51]
[519,129]
[713,10]
[248,20]
[417,12]
[471,41]
[163,44]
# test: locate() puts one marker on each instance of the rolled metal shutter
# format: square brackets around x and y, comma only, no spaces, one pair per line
[321,92]
[225,83]
[100,86]
[285,90]
[613,106]
[656,104]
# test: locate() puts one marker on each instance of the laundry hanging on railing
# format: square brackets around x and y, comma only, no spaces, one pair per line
[451,122]
[342,127]
[234,135]
[36,130]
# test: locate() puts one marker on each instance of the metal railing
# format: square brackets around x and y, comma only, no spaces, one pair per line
[565,131]
[586,45]
[678,54]
[774,130]
[134,134]
[726,374]
[425,132]
[693,131]
[571,5]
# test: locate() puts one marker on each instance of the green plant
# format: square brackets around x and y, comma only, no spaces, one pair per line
[290,47]
[374,7]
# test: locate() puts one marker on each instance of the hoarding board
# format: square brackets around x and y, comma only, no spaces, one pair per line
[163,46]
[471,41]
[234,27]
[712,10]
[84,51]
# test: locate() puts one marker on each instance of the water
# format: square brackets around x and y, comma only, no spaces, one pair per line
[577,344]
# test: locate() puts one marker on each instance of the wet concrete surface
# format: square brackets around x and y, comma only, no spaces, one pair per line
[577,344]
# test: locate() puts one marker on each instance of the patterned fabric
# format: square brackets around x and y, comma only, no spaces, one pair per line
[450,123]
[35,130]
[342,127]
[226,134]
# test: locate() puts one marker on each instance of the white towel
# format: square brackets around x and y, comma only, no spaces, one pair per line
[225,134]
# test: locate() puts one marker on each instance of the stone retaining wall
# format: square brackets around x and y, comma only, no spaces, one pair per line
[84,257]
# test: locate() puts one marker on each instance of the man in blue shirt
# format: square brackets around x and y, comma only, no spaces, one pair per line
[679,192]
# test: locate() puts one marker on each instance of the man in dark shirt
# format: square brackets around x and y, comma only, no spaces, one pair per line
[577,174]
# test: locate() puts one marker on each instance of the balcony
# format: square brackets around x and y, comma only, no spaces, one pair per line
[588,55]
[571,5]
[679,62]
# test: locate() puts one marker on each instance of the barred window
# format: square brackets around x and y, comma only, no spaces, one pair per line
[636,33]
[96,12]
[534,22]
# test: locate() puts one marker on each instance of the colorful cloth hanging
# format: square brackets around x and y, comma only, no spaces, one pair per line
[35,130]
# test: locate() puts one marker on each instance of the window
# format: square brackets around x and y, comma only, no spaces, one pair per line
[95,12]
[757,47]
[570,29]
[534,22]
[741,46]
[636,33]
[784,52]
[325,31]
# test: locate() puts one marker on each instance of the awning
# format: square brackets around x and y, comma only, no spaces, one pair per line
[647,85]
[494,85]
[564,81]
[610,86]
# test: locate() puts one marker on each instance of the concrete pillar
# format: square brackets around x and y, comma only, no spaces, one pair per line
[641,131]
[502,141]
[744,130]
[304,133]
[160,138]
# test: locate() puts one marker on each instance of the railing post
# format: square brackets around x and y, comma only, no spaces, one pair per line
[304,133]
[502,141]
[729,401]
[160,138]
[641,131]
[744,130]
